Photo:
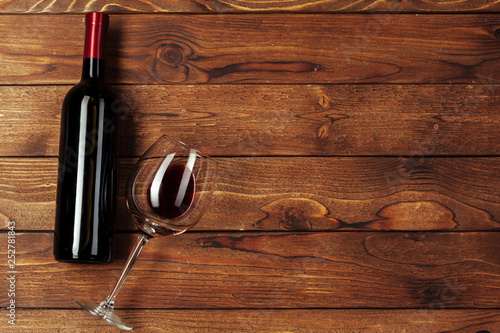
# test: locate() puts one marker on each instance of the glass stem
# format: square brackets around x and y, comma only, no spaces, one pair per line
[109,303]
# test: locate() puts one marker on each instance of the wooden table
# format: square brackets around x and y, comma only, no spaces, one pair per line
[359,149]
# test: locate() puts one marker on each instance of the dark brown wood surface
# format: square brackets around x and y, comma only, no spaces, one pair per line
[228,6]
[299,120]
[275,270]
[359,150]
[299,194]
[259,48]
[269,320]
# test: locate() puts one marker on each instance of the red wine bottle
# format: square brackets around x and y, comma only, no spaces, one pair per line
[87,158]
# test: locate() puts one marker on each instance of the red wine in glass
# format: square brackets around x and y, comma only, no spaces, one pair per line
[171,195]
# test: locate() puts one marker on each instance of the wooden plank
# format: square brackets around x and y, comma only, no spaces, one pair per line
[256,48]
[265,320]
[398,120]
[229,6]
[301,194]
[273,270]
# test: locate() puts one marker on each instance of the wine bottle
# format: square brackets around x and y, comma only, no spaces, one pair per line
[87,158]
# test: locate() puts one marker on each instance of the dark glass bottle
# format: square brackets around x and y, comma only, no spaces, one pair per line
[87,159]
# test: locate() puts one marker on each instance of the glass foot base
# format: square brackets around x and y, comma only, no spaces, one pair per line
[107,315]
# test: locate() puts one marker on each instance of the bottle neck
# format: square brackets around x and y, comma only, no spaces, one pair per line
[92,69]
[96,26]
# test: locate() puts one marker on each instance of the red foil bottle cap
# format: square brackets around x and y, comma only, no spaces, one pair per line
[95,35]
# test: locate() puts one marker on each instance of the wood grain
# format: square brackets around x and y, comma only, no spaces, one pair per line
[230,6]
[299,194]
[254,48]
[238,120]
[265,320]
[274,270]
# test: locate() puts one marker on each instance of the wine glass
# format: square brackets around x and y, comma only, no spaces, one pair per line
[167,193]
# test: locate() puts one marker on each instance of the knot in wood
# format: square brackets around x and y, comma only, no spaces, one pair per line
[432,294]
[171,54]
[497,33]
[294,219]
